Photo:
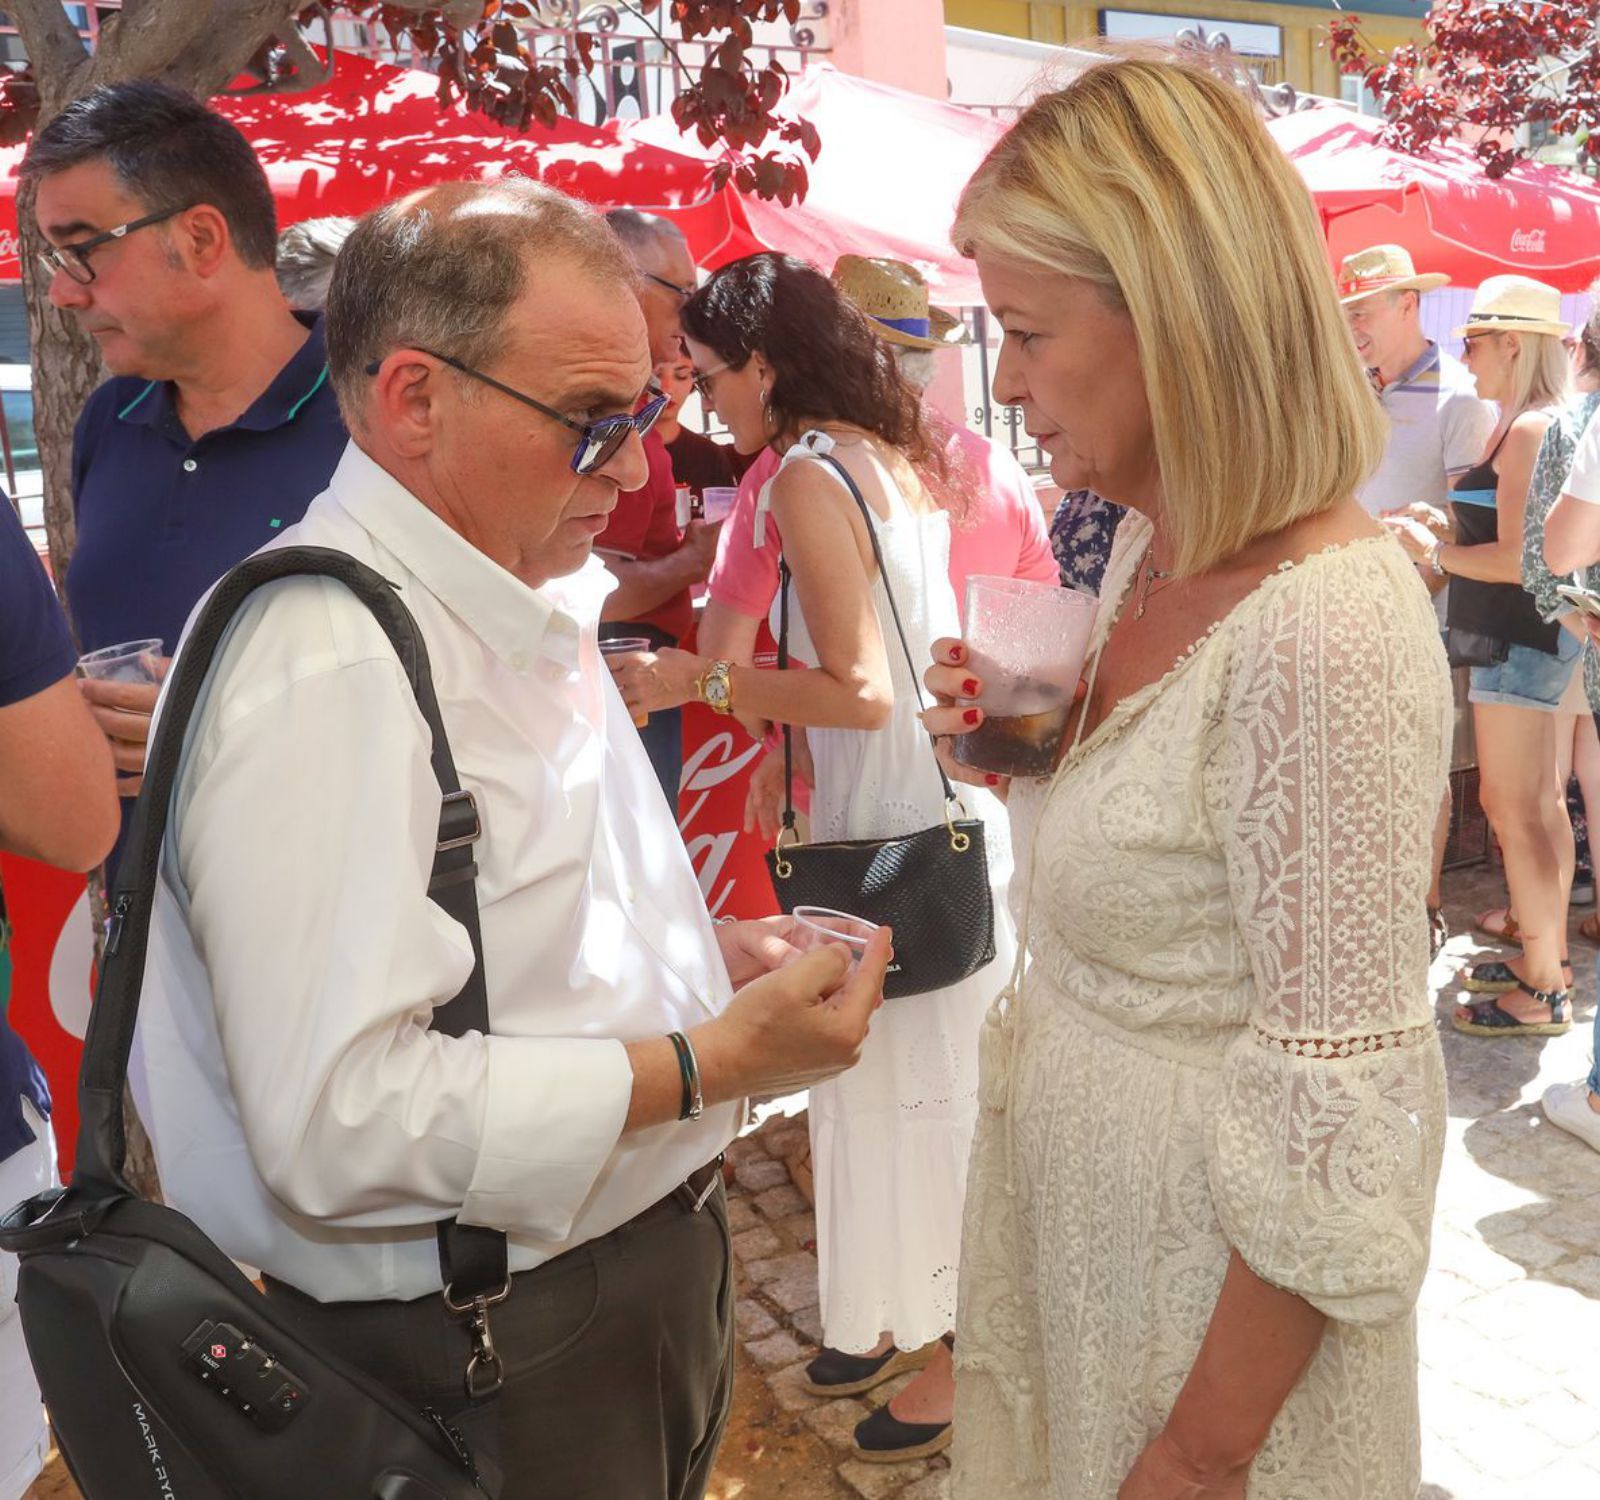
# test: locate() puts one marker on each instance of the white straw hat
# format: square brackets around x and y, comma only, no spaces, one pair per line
[1515,304]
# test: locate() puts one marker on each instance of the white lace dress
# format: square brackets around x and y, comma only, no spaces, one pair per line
[890,1139]
[1224,1039]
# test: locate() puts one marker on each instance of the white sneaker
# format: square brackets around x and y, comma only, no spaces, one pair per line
[1567,1105]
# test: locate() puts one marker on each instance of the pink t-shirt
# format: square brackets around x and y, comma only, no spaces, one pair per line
[1005,537]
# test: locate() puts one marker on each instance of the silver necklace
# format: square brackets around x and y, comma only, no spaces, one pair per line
[1149,576]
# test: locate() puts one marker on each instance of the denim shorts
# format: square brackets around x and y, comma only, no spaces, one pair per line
[1528,678]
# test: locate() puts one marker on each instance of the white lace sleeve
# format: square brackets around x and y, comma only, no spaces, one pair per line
[1325,782]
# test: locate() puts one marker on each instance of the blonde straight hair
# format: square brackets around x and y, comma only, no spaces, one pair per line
[1155,180]
[1541,376]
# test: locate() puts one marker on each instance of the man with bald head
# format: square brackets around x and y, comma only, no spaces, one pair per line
[493,367]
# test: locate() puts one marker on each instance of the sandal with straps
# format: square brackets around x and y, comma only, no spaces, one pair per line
[1487,1019]
[1510,932]
[1496,977]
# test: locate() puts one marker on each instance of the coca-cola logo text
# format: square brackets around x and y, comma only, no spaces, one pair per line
[1527,242]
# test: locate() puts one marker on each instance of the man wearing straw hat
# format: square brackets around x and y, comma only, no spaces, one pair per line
[1437,426]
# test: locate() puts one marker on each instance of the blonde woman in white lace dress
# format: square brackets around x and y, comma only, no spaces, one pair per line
[1212,1110]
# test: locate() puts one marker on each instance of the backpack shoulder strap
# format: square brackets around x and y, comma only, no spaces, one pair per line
[102,1145]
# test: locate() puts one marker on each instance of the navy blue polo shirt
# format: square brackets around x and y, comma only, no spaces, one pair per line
[162,516]
[35,651]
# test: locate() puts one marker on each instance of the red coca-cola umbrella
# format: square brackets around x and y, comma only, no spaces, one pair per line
[1540,220]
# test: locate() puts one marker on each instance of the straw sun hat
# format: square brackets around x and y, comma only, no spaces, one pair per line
[1383,268]
[1515,304]
[895,297]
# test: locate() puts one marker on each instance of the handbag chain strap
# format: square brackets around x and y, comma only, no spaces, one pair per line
[959,841]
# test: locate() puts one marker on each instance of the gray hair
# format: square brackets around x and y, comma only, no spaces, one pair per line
[919,367]
[441,269]
[305,260]
[640,232]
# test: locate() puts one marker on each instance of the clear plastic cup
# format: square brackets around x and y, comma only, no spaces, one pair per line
[622,645]
[819,926]
[130,661]
[1027,642]
[717,499]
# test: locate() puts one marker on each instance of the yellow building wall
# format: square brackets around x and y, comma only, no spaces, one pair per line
[1306,61]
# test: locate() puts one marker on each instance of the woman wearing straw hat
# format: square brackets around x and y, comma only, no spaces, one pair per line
[1213,1102]
[1524,666]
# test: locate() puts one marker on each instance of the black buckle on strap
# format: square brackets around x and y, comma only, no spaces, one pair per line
[454,811]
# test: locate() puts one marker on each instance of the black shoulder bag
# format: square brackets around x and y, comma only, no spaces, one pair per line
[932,887]
[167,1374]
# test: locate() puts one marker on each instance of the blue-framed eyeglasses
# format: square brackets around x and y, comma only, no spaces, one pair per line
[598,442]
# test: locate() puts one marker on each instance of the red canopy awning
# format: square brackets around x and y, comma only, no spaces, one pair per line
[1539,220]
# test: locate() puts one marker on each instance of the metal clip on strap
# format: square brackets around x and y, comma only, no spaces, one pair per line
[485,1371]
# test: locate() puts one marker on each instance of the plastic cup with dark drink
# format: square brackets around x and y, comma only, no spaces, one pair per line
[1027,642]
[624,645]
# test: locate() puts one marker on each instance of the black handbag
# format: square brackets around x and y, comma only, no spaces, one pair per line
[166,1373]
[931,887]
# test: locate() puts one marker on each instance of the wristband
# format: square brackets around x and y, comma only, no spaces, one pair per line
[692,1104]
[1436,562]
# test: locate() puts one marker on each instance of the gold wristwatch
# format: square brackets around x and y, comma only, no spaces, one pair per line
[716,687]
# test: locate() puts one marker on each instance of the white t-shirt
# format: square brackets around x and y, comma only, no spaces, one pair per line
[1583,482]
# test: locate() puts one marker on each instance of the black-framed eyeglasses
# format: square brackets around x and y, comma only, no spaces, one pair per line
[74,259]
[702,379]
[598,442]
[686,292]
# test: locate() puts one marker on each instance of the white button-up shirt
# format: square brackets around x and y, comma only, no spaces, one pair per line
[302,1112]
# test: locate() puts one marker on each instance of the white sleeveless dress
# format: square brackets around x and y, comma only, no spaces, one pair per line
[890,1138]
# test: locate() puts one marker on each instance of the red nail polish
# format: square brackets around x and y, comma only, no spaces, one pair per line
[955,653]
[971,716]
[991,779]
[969,687]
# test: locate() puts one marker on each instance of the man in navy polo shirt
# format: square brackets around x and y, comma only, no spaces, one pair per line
[218,425]
[56,804]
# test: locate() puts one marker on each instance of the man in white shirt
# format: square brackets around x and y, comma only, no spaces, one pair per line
[489,353]
[1438,429]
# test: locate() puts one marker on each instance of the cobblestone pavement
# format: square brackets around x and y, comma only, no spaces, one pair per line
[1509,1317]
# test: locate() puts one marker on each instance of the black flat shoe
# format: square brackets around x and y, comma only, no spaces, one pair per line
[883,1438]
[835,1373]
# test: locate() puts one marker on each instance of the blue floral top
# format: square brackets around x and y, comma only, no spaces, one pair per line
[1080,536]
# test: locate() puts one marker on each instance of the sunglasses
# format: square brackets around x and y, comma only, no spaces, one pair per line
[598,442]
[74,259]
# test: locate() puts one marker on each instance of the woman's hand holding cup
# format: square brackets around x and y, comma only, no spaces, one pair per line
[949,679]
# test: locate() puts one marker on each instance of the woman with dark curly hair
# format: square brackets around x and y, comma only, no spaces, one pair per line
[790,363]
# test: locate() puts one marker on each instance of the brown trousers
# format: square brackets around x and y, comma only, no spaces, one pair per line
[618,1360]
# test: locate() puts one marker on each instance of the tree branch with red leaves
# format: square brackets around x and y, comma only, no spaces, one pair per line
[1487,72]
